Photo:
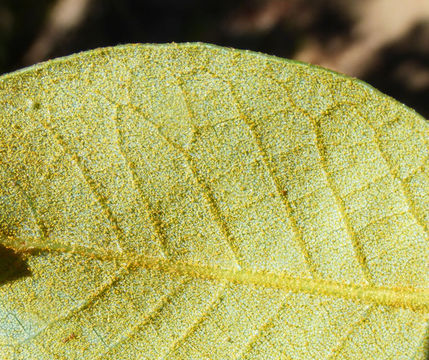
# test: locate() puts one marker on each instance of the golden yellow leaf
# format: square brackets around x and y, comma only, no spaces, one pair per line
[195,202]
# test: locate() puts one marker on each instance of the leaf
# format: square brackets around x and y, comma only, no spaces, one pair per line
[196,202]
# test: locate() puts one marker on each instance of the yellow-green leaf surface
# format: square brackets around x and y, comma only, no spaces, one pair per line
[196,202]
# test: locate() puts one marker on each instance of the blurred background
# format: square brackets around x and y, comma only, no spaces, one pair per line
[384,42]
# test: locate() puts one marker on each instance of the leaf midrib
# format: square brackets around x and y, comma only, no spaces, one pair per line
[399,297]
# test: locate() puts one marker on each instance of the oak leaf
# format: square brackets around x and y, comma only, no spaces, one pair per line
[196,202]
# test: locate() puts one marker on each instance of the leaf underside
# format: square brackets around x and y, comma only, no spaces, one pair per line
[195,202]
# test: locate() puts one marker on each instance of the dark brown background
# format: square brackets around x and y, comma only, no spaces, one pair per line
[384,42]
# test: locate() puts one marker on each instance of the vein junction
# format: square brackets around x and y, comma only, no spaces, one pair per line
[399,297]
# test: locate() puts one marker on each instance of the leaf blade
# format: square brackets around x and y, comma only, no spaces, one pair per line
[153,174]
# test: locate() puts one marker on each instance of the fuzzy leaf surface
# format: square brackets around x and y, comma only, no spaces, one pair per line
[196,202]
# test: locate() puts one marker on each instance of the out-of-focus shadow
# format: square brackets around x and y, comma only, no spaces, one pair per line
[20,22]
[403,70]
[13,265]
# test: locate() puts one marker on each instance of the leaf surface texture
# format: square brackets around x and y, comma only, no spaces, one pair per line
[196,202]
